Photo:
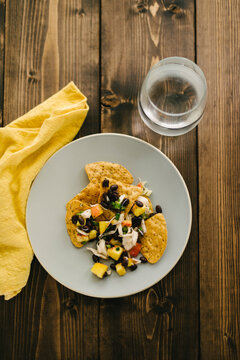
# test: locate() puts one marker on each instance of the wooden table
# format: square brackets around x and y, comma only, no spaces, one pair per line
[107,47]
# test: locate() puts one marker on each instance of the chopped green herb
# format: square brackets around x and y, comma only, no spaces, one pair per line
[117,216]
[144,216]
[116,205]
[83,242]
[125,229]
[79,213]
[108,246]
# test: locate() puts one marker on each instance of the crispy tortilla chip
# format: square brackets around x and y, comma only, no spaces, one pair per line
[107,215]
[104,169]
[89,195]
[132,192]
[74,207]
[154,241]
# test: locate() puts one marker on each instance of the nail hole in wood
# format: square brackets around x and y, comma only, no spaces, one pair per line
[80,12]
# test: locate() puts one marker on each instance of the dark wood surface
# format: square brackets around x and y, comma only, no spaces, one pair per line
[107,47]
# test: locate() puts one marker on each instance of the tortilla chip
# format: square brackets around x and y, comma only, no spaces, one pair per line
[107,215]
[104,169]
[131,191]
[89,195]
[154,241]
[74,207]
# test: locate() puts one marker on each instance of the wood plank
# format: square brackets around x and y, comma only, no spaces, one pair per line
[48,44]
[162,322]
[218,49]
[2,55]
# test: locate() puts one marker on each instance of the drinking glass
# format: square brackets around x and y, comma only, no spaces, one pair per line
[173,96]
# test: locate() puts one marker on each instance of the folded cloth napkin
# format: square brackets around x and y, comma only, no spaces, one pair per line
[25,145]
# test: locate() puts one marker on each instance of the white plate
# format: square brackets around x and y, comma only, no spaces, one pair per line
[63,176]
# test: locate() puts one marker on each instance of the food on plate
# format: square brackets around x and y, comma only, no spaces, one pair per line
[103,169]
[72,221]
[119,218]
[118,195]
[100,270]
[154,241]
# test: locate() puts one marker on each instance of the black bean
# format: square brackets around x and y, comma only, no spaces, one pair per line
[143,259]
[115,196]
[158,209]
[125,202]
[116,235]
[125,253]
[152,214]
[110,195]
[113,266]
[105,275]
[88,223]
[85,228]
[136,221]
[105,197]
[81,220]
[139,203]
[133,267]
[114,187]
[105,183]
[111,227]
[125,262]
[104,205]
[95,258]
[74,219]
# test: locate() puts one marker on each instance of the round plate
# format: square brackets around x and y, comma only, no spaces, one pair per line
[63,176]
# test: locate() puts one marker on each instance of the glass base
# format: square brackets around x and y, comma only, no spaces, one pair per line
[162,130]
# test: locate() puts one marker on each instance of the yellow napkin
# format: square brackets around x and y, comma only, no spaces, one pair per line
[25,145]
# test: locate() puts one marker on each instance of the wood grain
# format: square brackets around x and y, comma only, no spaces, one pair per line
[218,50]
[48,44]
[135,35]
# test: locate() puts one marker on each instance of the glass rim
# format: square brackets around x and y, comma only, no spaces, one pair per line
[198,69]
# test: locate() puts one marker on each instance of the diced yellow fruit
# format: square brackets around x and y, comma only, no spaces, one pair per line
[137,211]
[82,238]
[127,223]
[130,262]
[102,226]
[99,269]
[120,269]
[115,252]
[96,211]
[115,242]
[92,235]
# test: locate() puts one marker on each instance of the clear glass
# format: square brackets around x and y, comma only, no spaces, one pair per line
[173,96]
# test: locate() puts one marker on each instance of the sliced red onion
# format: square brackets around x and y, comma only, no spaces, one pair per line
[136,261]
[101,247]
[86,214]
[143,226]
[82,232]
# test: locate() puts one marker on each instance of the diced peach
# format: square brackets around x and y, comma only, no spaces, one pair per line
[127,223]
[103,226]
[96,211]
[138,210]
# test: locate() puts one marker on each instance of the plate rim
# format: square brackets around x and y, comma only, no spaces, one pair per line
[129,293]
